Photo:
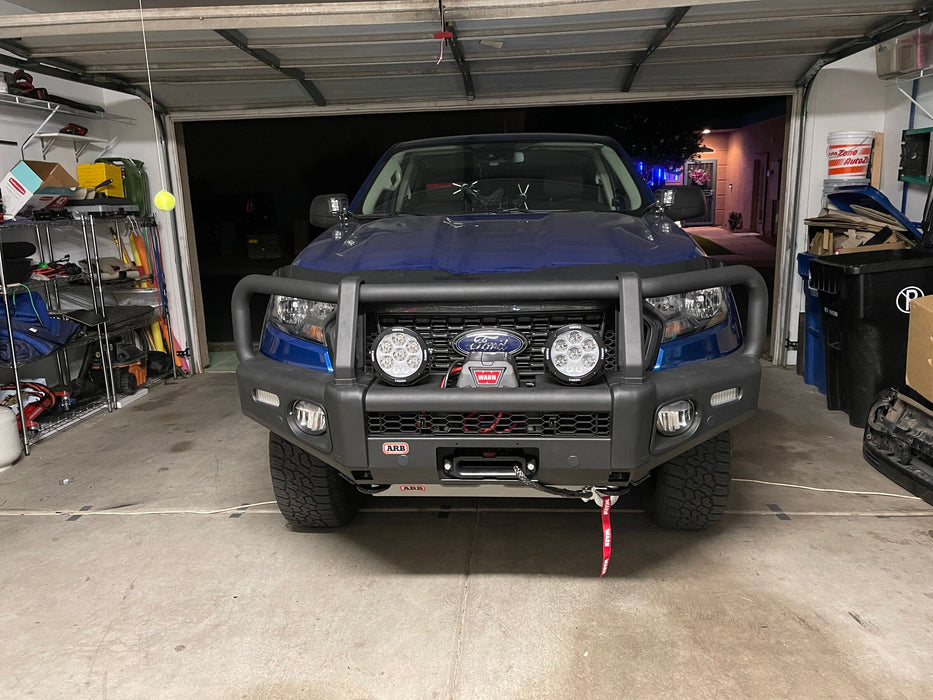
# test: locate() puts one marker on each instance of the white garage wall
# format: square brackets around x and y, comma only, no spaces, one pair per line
[897,117]
[849,96]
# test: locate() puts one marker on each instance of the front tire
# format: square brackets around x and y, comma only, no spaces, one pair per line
[309,492]
[690,491]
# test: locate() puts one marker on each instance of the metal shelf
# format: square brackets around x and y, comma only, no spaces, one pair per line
[58,108]
[80,143]
[66,419]
[99,319]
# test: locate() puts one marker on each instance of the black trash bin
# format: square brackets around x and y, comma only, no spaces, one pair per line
[865,299]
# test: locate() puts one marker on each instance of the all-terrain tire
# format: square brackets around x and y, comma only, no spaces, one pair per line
[690,491]
[309,492]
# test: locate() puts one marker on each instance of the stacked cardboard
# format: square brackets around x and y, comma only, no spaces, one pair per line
[862,230]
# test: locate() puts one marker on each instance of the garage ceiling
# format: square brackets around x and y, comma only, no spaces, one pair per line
[303,58]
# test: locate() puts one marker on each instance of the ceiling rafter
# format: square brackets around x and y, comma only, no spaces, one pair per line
[239,40]
[676,16]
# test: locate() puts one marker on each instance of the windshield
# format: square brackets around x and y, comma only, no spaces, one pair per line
[502,177]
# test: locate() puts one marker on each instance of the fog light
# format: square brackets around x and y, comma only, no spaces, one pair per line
[574,354]
[675,418]
[266,397]
[310,417]
[725,396]
[400,356]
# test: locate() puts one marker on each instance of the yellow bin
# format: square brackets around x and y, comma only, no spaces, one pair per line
[90,175]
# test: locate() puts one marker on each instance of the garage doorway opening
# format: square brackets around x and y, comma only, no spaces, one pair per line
[251,181]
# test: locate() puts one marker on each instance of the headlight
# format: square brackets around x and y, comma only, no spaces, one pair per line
[303,318]
[688,313]
[400,356]
[574,354]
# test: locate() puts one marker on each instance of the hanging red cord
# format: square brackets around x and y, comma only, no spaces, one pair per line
[443,35]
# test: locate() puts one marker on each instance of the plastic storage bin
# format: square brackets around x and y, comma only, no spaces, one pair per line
[865,300]
[814,357]
[135,181]
[92,174]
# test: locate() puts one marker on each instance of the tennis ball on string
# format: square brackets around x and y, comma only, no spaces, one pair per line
[164,200]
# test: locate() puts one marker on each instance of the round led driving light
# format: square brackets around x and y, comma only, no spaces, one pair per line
[574,354]
[400,356]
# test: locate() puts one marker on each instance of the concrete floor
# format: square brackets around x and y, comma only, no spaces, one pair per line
[119,583]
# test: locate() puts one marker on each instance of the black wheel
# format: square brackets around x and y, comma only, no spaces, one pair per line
[309,492]
[690,491]
[127,384]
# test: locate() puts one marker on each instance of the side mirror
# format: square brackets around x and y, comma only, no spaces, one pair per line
[329,209]
[681,202]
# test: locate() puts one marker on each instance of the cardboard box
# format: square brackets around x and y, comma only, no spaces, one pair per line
[35,184]
[920,347]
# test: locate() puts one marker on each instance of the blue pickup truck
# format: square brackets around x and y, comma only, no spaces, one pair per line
[502,315]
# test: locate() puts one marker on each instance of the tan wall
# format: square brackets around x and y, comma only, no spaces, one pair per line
[735,152]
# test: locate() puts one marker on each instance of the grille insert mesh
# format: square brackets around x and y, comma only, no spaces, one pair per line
[598,424]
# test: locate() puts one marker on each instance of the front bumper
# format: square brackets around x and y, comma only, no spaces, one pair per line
[898,442]
[622,450]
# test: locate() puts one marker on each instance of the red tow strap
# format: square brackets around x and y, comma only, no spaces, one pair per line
[607,535]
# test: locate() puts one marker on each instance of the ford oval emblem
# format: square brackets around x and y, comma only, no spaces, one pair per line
[489,340]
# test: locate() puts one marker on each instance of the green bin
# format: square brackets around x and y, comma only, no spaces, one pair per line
[135,181]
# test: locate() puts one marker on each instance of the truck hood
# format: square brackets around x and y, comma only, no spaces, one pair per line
[498,243]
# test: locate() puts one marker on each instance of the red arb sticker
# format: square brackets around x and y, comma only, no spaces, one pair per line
[412,487]
[487,377]
[395,448]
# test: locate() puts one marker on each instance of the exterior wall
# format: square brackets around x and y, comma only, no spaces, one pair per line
[735,152]
[763,142]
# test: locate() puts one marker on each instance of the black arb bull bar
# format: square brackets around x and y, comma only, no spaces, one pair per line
[629,392]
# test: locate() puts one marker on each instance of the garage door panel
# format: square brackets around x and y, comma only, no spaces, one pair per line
[803,10]
[374,53]
[572,22]
[505,83]
[232,95]
[365,89]
[725,73]
[749,51]
[96,42]
[364,53]
[274,36]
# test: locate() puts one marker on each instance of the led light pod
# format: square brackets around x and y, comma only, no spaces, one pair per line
[574,354]
[675,418]
[400,356]
[310,417]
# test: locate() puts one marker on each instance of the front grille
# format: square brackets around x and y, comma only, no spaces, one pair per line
[597,424]
[439,331]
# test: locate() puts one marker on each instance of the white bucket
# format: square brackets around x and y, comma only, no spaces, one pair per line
[849,154]
[11,445]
